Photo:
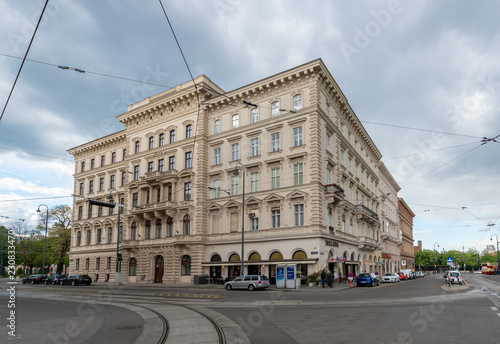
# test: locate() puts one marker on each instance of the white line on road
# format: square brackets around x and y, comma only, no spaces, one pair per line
[494,308]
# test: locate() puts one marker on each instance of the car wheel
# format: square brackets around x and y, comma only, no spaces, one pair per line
[33,282]
[23,282]
[371,284]
[73,283]
[229,287]
[251,287]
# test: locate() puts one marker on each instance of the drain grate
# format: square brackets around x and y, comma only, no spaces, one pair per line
[128,328]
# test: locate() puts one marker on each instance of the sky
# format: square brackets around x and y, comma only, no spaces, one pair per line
[426,65]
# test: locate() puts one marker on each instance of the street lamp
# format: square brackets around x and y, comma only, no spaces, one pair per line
[498,257]
[118,274]
[236,173]
[45,241]
[434,253]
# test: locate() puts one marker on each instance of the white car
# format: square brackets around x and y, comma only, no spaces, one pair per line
[390,277]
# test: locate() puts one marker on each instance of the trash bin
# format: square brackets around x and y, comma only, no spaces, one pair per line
[200,279]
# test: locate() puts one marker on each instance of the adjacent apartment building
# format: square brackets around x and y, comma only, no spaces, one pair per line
[406,216]
[285,158]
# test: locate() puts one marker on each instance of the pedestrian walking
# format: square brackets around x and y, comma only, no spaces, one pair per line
[330,279]
[323,278]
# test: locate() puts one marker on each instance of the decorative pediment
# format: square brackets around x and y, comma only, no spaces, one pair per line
[185,173]
[214,206]
[273,197]
[297,194]
[231,204]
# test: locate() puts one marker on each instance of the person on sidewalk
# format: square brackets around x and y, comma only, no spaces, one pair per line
[330,279]
[323,278]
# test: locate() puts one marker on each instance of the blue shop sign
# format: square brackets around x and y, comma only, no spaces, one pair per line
[280,274]
[290,273]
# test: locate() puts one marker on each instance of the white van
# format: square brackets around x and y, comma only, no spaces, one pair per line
[408,273]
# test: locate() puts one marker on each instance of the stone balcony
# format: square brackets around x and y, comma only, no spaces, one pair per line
[367,244]
[366,214]
[334,193]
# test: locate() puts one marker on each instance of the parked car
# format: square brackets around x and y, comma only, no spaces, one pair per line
[409,274]
[390,277]
[53,279]
[76,280]
[367,279]
[402,276]
[455,276]
[250,282]
[34,279]
[420,274]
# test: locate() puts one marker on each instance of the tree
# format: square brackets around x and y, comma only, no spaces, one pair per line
[59,235]
[27,245]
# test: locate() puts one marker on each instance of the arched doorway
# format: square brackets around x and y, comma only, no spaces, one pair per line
[254,269]
[159,263]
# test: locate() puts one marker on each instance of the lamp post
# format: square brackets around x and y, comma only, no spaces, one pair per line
[45,240]
[434,253]
[236,173]
[498,256]
[118,274]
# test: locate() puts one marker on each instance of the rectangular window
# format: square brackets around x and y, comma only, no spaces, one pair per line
[161,140]
[110,211]
[327,110]
[328,173]
[91,186]
[217,126]
[216,188]
[298,174]
[275,178]
[89,213]
[187,191]
[169,193]
[298,214]
[172,136]
[171,163]
[137,147]
[124,154]
[275,218]
[254,182]
[188,159]
[161,165]
[110,235]
[103,160]
[150,166]
[327,142]
[330,217]
[297,102]
[275,142]
[234,222]
[80,212]
[78,238]
[82,169]
[112,181]
[136,172]
[81,189]
[235,151]
[99,211]
[254,115]
[135,199]
[88,238]
[101,184]
[122,208]
[234,185]
[254,223]
[275,109]
[151,142]
[158,195]
[189,131]
[254,147]
[236,121]
[77,264]
[108,263]
[343,223]
[217,156]
[216,223]
[92,164]
[87,263]
[97,263]
[123,178]
[147,196]
[297,136]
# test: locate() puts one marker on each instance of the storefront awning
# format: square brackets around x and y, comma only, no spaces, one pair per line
[261,262]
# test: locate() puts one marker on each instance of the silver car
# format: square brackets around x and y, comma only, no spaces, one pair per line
[390,277]
[250,282]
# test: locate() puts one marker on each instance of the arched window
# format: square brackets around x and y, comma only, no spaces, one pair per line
[170,227]
[215,258]
[299,255]
[189,131]
[148,229]
[186,265]
[132,267]
[234,258]
[254,256]
[133,231]
[186,225]
[158,228]
[276,256]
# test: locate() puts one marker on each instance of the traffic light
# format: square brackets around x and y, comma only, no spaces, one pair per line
[102,204]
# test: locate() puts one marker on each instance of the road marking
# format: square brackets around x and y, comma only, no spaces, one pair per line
[498,314]
[494,308]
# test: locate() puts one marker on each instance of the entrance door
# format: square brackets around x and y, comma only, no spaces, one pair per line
[159,269]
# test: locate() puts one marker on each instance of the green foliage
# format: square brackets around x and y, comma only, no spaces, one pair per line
[19,271]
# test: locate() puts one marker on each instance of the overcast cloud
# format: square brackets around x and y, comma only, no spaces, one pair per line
[422,64]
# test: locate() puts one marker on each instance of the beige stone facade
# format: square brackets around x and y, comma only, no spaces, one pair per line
[309,170]
[406,216]
[390,229]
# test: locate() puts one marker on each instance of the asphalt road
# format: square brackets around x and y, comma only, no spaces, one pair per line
[417,311]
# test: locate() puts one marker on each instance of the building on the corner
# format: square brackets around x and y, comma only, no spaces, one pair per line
[310,177]
[406,216]
[390,230]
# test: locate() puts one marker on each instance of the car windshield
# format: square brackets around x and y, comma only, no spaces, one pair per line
[388,275]
[364,275]
[455,274]
[264,278]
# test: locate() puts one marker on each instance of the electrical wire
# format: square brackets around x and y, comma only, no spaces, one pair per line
[28,180]
[24,59]
[32,199]
[46,156]
[431,151]
[419,129]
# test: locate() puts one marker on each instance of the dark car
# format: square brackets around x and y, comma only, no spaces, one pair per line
[54,279]
[367,279]
[34,279]
[76,280]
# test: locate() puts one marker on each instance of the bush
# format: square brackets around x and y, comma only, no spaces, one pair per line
[312,278]
[19,271]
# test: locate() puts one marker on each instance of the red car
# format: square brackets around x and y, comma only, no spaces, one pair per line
[402,276]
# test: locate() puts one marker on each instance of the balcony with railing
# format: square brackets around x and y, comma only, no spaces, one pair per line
[367,243]
[334,193]
[366,213]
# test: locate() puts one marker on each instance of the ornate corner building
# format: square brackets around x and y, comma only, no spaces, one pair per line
[307,190]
